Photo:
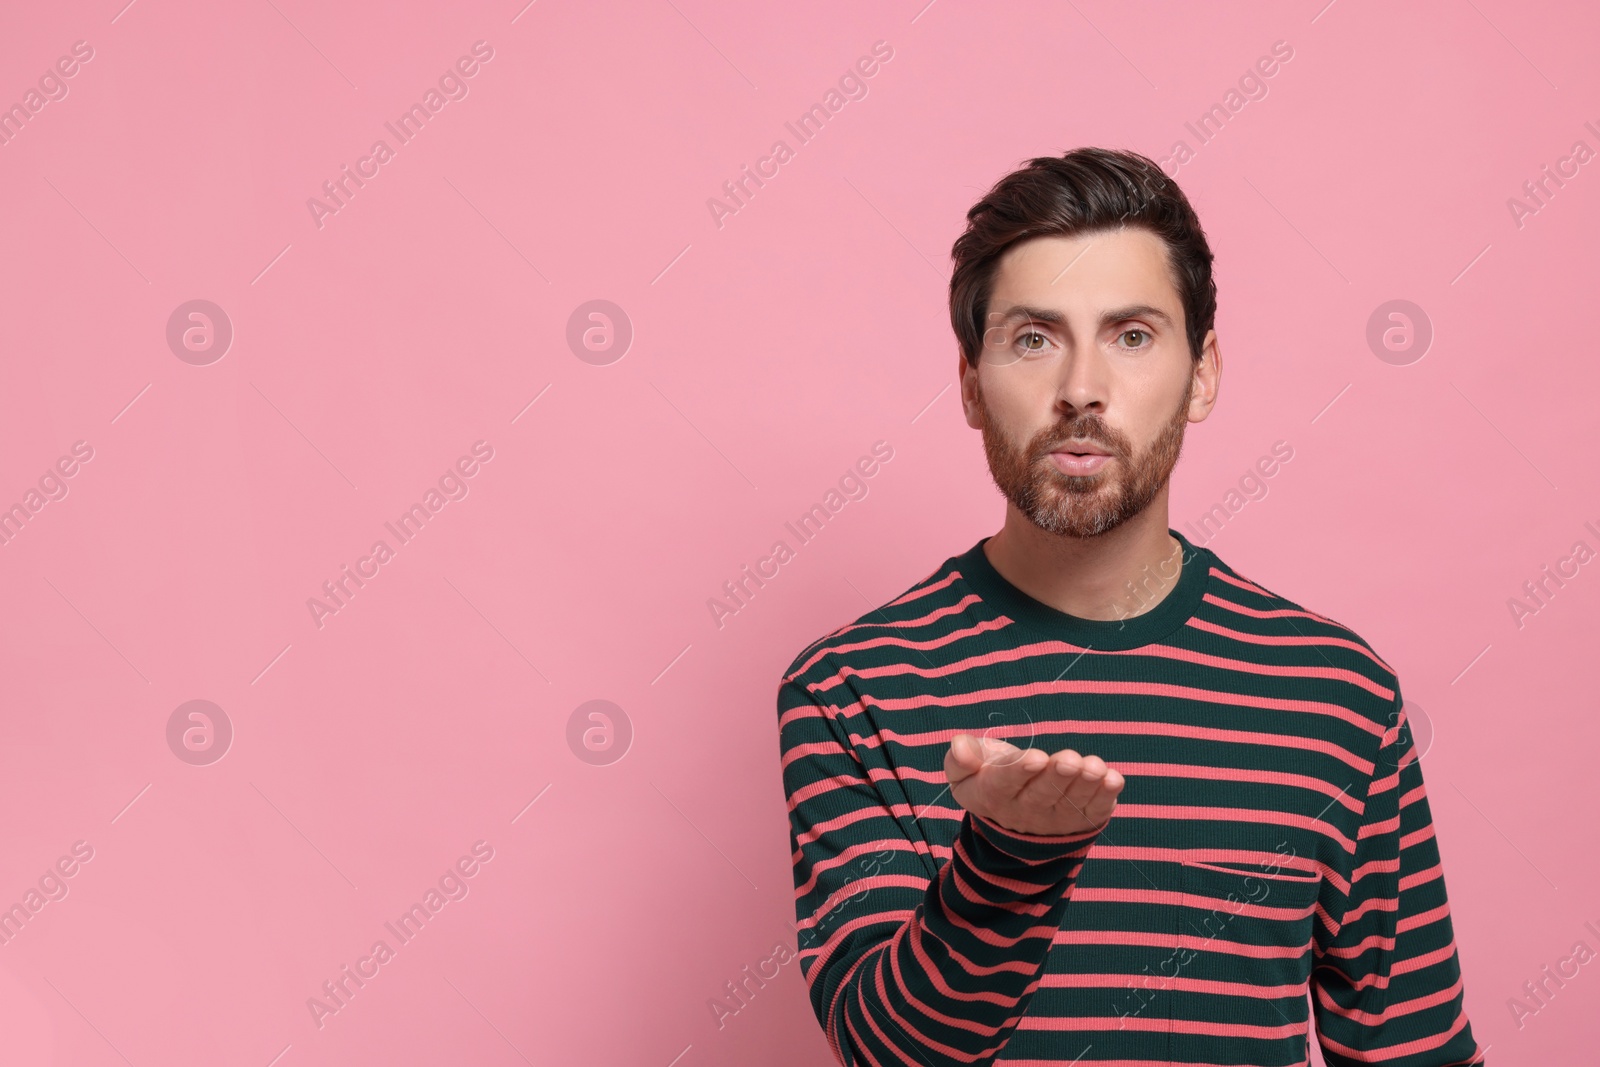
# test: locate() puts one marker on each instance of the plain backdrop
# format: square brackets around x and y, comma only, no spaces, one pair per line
[746,358]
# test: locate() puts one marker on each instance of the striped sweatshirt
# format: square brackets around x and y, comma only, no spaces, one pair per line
[1271,860]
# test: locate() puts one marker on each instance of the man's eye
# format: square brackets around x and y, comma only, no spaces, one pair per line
[1022,340]
[1145,333]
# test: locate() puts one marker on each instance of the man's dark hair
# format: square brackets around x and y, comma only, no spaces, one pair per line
[1081,191]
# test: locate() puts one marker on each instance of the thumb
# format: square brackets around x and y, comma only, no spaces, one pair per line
[964,758]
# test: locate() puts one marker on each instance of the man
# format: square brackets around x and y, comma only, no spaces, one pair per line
[1086,793]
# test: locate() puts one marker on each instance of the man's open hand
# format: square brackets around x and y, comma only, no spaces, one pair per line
[1027,791]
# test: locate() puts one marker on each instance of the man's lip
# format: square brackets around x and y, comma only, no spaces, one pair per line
[1085,449]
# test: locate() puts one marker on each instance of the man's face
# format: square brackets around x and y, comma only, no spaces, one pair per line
[1098,360]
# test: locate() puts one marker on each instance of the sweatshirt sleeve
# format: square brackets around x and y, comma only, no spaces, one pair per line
[1386,982]
[908,961]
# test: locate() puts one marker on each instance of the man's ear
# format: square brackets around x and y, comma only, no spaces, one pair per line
[1208,378]
[967,376]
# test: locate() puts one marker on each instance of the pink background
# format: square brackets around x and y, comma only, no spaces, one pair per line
[768,354]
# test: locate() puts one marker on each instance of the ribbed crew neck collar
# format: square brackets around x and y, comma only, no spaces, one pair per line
[1176,608]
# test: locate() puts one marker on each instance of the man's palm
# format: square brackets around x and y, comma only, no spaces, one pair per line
[1026,790]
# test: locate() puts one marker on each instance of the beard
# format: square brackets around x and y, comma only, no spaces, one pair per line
[1085,505]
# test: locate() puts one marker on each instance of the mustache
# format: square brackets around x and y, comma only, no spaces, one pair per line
[1092,432]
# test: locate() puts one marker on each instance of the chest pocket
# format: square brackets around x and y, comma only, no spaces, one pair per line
[1238,925]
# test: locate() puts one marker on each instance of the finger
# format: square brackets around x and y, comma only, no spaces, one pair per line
[1090,782]
[1049,787]
[1100,806]
[997,753]
[1011,779]
[1015,776]
[964,758]
[970,754]
[1002,752]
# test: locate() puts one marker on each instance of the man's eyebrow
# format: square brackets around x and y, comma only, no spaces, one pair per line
[1109,318]
[1136,311]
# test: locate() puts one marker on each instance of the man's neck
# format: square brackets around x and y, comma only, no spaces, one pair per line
[1117,575]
